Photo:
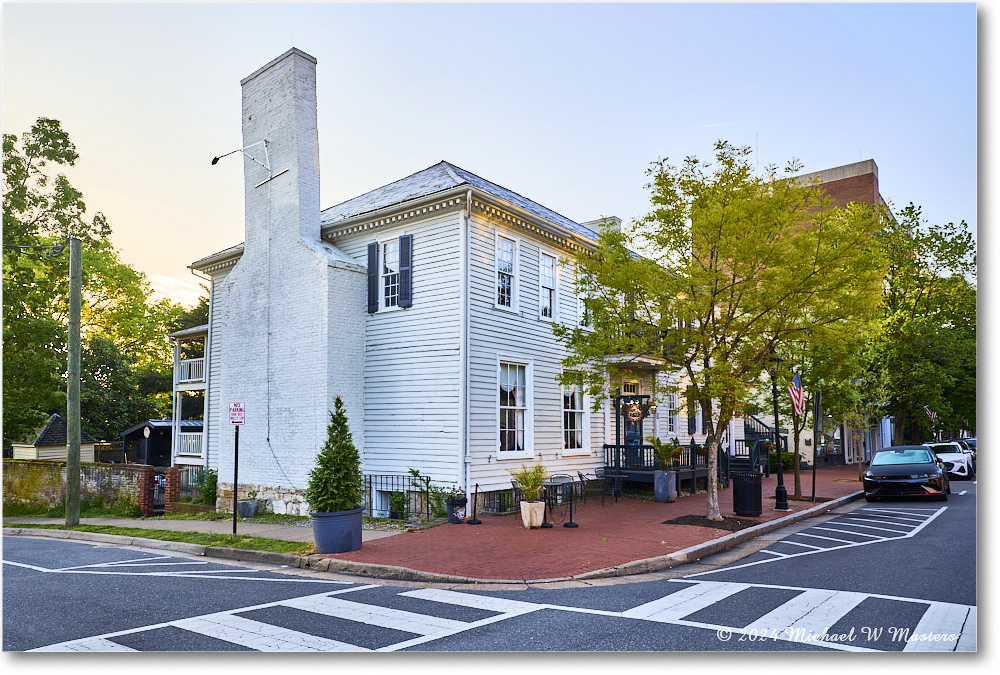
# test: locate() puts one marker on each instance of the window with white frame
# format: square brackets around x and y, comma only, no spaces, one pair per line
[630,388]
[582,315]
[390,273]
[513,407]
[672,413]
[547,286]
[506,269]
[574,418]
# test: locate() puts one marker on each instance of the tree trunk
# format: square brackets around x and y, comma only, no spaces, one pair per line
[899,424]
[712,481]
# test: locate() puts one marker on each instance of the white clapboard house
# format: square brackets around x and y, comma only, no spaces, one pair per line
[426,304]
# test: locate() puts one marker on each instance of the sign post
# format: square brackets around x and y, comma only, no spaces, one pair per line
[237,416]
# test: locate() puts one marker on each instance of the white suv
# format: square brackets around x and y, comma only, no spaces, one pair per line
[957,462]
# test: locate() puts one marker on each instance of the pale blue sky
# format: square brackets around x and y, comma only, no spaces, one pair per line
[565,104]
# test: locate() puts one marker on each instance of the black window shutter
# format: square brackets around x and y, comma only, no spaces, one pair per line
[372,277]
[406,270]
[692,415]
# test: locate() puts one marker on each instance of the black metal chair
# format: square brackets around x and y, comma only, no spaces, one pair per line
[611,484]
[589,486]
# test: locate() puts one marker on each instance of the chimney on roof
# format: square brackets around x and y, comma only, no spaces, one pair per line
[279,106]
[606,223]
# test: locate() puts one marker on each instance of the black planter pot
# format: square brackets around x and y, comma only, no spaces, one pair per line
[664,486]
[453,506]
[337,532]
[247,508]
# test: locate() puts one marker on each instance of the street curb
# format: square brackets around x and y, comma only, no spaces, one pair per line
[393,573]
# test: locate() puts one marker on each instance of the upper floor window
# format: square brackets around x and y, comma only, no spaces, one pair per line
[630,388]
[672,413]
[547,286]
[390,273]
[506,252]
[582,314]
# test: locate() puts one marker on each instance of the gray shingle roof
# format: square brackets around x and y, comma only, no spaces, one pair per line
[54,433]
[438,178]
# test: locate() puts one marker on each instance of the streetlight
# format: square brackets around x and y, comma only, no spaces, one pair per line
[772,363]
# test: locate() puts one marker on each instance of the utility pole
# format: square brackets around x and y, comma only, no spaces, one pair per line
[73,385]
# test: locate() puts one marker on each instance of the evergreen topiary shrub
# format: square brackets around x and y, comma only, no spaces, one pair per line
[336,482]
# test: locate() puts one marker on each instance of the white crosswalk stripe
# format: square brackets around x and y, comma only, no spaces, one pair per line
[261,636]
[808,616]
[397,619]
[685,601]
[939,628]
[95,644]
[486,602]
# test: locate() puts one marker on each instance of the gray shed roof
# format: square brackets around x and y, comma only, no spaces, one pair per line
[54,433]
[438,178]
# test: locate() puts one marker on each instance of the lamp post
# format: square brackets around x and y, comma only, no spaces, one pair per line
[780,494]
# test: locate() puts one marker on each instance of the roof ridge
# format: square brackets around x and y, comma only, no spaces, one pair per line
[444,164]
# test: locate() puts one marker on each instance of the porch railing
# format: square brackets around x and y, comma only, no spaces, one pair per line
[191,370]
[190,444]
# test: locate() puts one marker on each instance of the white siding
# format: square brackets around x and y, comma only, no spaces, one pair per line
[412,356]
[523,336]
[213,395]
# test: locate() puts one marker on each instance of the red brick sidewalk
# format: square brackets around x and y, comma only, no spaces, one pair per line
[617,533]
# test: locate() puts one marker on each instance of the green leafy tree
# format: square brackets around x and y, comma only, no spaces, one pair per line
[923,352]
[110,398]
[736,266]
[41,209]
[336,482]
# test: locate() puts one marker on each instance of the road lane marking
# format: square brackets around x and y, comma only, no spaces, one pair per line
[471,600]
[261,636]
[95,644]
[820,536]
[794,543]
[685,601]
[856,534]
[872,527]
[892,513]
[808,616]
[846,544]
[943,619]
[375,615]
[962,493]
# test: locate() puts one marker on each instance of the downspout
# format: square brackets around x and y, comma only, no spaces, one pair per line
[463,363]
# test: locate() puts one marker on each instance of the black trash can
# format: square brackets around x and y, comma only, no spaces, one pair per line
[747,493]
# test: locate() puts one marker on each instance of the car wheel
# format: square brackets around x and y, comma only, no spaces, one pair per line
[871,498]
[943,497]
[947,487]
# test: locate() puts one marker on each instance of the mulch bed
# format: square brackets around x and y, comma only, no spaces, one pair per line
[730,524]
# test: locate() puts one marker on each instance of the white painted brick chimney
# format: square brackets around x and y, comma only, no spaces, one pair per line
[292,311]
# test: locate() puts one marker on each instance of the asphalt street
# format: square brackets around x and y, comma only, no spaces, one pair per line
[889,576]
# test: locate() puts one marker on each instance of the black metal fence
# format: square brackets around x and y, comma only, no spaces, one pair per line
[192,478]
[398,496]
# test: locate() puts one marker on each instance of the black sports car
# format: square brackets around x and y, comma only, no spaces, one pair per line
[906,471]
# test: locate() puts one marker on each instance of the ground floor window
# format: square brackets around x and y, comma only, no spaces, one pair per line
[574,437]
[513,407]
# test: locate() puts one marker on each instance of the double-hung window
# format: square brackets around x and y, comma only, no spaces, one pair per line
[582,315]
[672,413]
[513,407]
[506,254]
[390,273]
[574,418]
[547,286]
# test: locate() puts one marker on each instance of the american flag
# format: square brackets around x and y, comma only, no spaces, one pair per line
[930,413]
[798,396]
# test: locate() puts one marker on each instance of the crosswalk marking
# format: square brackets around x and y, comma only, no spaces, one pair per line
[820,536]
[939,628]
[94,644]
[386,617]
[486,602]
[261,636]
[808,616]
[685,601]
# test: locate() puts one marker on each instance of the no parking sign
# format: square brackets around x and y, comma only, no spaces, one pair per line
[237,412]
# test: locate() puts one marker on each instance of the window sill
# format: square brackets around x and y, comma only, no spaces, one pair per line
[576,452]
[509,310]
[518,456]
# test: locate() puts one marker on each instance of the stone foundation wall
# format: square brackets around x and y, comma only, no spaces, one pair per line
[275,499]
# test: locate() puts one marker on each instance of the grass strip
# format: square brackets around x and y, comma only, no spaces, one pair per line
[201,538]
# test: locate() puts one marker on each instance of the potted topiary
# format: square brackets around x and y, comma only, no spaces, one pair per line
[529,480]
[665,478]
[336,489]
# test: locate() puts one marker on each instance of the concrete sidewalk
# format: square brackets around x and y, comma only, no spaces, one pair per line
[630,536]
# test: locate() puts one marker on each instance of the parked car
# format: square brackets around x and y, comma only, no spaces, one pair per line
[971,444]
[957,461]
[906,471]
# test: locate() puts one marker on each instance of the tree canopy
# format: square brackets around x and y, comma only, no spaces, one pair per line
[41,209]
[736,266]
